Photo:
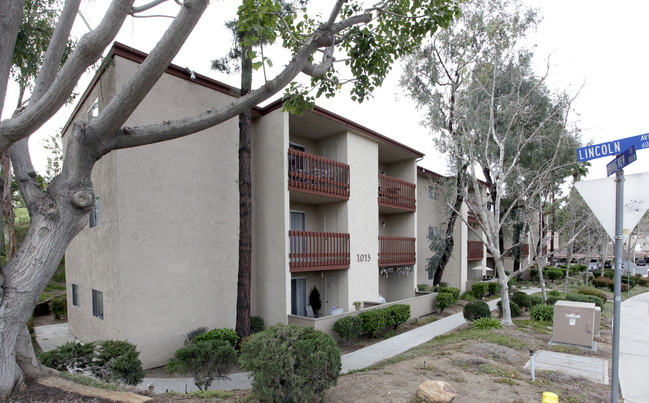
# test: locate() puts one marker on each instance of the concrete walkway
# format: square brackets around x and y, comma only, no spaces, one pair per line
[634,354]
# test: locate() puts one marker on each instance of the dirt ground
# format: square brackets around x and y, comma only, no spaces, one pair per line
[485,366]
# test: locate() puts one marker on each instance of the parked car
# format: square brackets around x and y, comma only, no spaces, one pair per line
[592,266]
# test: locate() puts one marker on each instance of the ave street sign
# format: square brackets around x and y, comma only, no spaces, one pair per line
[622,160]
[612,147]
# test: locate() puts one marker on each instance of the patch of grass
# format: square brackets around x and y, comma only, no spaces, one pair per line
[205,394]
[533,326]
[54,287]
[390,333]
[567,349]
[507,381]
[425,321]
[88,381]
[44,296]
[493,370]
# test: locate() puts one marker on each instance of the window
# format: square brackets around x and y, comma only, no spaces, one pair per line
[432,192]
[298,296]
[98,304]
[93,217]
[93,111]
[75,295]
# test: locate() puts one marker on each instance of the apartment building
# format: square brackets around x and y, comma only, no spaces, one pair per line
[334,207]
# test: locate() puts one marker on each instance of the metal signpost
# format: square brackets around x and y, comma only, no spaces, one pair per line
[622,159]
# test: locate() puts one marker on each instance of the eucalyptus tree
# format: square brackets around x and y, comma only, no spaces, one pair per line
[367,41]
[436,75]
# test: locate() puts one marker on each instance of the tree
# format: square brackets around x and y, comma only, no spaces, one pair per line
[381,34]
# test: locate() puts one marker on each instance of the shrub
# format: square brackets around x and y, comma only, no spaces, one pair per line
[443,284]
[535,300]
[493,287]
[373,321]
[191,336]
[291,363]
[623,286]
[514,309]
[644,282]
[122,361]
[554,274]
[479,289]
[314,300]
[542,313]
[423,287]
[554,293]
[610,273]
[487,323]
[451,290]
[59,306]
[69,355]
[444,300]
[475,310]
[521,299]
[601,282]
[585,298]
[630,280]
[467,296]
[256,324]
[552,300]
[206,360]
[397,314]
[348,327]
[227,335]
[590,291]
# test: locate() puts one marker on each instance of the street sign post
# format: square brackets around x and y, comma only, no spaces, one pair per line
[612,147]
[622,160]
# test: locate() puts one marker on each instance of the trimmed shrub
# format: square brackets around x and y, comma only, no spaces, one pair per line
[601,282]
[69,355]
[205,360]
[223,334]
[644,282]
[451,290]
[479,289]
[59,306]
[443,284]
[397,314]
[487,323]
[552,300]
[535,300]
[475,310]
[493,287]
[623,286]
[444,300]
[630,280]
[554,293]
[348,327]
[542,313]
[610,273]
[291,363]
[373,321]
[191,336]
[585,298]
[554,274]
[521,299]
[590,291]
[513,308]
[467,296]
[256,324]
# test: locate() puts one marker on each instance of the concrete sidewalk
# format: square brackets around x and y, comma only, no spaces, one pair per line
[634,354]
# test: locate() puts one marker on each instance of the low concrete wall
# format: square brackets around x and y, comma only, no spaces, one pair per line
[420,305]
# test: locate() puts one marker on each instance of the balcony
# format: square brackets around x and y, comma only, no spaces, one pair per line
[475,250]
[396,194]
[312,174]
[396,251]
[318,251]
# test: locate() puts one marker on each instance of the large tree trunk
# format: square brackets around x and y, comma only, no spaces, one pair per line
[8,224]
[504,291]
[245,205]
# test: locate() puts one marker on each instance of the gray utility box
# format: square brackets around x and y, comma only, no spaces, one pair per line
[574,323]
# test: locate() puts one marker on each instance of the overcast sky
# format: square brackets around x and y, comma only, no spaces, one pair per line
[594,47]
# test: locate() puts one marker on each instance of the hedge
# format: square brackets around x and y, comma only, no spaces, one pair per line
[585,298]
[479,289]
[475,310]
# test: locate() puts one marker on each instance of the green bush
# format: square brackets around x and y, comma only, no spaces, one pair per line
[451,290]
[479,289]
[475,310]
[585,298]
[69,355]
[514,309]
[644,282]
[444,300]
[554,293]
[373,321]
[348,327]
[623,286]
[590,291]
[206,360]
[227,335]
[601,282]
[256,324]
[493,287]
[521,299]
[542,313]
[443,284]
[467,296]
[291,363]
[535,300]
[554,274]
[397,314]
[553,300]
[487,323]
[630,280]
[59,306]
[609,273]
[191,336]
[424,288]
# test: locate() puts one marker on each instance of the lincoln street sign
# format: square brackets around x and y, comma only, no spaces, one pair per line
[612,147]
[622,160]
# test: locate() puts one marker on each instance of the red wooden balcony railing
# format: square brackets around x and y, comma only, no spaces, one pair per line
[395,192]
[475,250]
[310,251]
[396,251]
[317,175]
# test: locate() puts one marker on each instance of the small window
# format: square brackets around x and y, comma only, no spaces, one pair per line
[75,295]
[432,192]
[98,304]
[93,218]
[93,111]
